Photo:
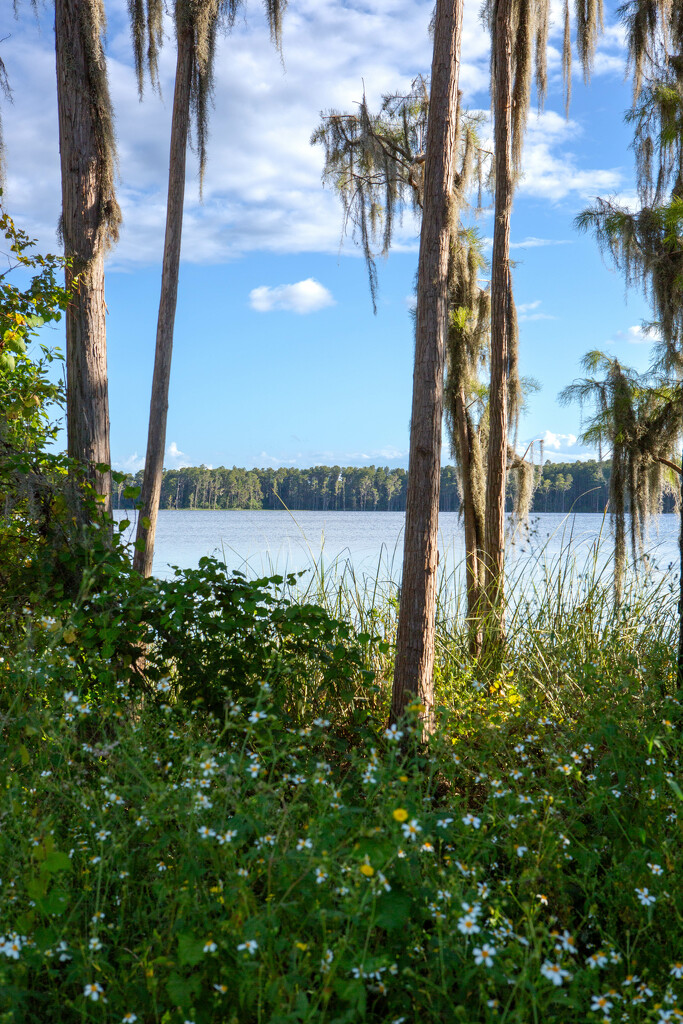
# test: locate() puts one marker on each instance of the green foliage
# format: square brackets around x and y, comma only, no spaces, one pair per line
[234,866]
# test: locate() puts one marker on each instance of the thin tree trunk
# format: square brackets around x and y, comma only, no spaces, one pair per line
[414,667]
[679,665]
[494,543]
[83,202]
[473,538]
[158,409]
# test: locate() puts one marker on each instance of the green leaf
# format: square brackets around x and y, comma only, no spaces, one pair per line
[56,860]
[146,522]
[676,788]
[139,545]
[131,493]
[394,909]
[182,990]
[190,950]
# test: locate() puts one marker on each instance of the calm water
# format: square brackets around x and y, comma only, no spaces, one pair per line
[264,542]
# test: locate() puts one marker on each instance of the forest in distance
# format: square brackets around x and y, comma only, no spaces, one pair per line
[560,487]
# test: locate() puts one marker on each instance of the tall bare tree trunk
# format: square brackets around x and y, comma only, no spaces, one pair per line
[501,297]
[413,673]
[679,662]
[88,207]
[158,409]
[474,534]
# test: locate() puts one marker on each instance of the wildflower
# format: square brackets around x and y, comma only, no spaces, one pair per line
[468,925]
[645,897]
[656,869]
[304,844]
[367,870]
[250,946]
[383,881]
[163,686]
[93,991]
[129,1018]
[210,946]
[400,814]
[596,960]
[161,866]
[601,1003]
[411,829]
[223,988]
[444,822]
[566,769]
[554,972]
[203,801]
[566,942]
[267,840]
[257,716]
[616,793]
[322,723]
[320,876]
[327,959]
[542,899]
[427,847]
[204,832]
[393,733]
[521,850]
[124,874]
[254,769]
[471,819]
[226,837]
[523,799]
[11,947]
[484,955]
[677,969]
[95,943]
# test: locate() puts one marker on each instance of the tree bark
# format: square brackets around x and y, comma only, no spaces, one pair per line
[679,662]
[83,201]
[473,527]
[494,542]
[414,667]
[158,409]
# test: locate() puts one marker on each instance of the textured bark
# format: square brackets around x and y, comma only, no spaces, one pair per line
[474,534]
[414,667]
[494,542]
[158,409]
[679,664]
[84,203]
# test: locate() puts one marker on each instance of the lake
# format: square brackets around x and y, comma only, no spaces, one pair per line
[265,542]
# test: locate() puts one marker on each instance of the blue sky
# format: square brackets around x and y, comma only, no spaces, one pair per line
[278,359]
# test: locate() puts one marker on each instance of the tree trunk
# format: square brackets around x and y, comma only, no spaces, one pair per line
[494,543]
[158,409]
[413,673]
[473,527]
[85,200]
[679,665]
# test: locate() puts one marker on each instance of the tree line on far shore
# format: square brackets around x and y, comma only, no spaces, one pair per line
[560,487]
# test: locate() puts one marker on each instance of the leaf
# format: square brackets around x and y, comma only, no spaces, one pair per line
[146,522]
[676,788]
[139,545]
[394,910]
[182,990]
[56,860]
[190,950]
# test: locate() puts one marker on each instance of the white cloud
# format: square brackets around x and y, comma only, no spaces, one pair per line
[130,464]
[303,297]
[559,447]
[638,335]
[262,188]
[537,243]
[177,458]
[530,311]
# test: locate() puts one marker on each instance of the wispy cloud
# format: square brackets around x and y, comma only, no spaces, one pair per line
[537,243]
[530,311]
[175,459]
[303,297]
